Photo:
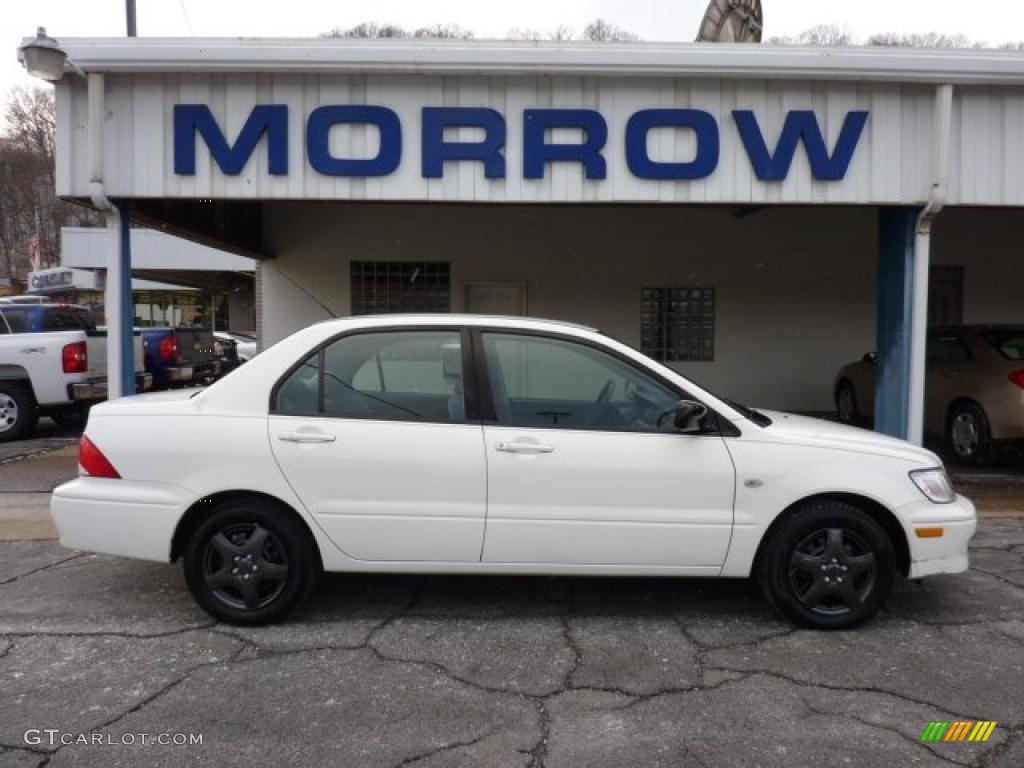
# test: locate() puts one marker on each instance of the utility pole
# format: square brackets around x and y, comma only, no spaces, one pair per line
[129,17]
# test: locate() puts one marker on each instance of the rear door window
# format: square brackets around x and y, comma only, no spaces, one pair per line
[390,376]
[17,320]
[947,348]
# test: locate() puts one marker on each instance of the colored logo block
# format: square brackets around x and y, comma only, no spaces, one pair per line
[959,730]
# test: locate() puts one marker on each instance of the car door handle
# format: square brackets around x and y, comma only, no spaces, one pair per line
[523,447]
[307,437]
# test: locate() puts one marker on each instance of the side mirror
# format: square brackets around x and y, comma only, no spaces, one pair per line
[689,417]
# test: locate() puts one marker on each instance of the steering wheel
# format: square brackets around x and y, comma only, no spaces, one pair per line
[602,399]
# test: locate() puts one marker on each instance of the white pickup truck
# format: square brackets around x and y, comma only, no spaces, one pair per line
[53,362]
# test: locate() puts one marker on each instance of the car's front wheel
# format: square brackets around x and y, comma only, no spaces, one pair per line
[828,566]
[249,563]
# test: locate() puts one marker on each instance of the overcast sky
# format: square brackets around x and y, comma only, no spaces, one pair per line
[1000,21]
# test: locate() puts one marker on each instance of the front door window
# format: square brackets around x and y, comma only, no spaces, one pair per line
[547,382]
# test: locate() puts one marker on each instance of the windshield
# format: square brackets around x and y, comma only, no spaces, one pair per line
[1009,342]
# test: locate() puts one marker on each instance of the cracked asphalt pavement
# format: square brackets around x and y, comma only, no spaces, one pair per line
[505,672]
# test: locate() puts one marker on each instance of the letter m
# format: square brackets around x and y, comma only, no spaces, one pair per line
[801,127]
[192,119]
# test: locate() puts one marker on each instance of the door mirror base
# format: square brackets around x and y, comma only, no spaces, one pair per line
[688,417]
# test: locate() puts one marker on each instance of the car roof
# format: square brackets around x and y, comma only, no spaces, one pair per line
[426,319]
[33,305]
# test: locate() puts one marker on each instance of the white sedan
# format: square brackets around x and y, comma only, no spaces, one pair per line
[460,444]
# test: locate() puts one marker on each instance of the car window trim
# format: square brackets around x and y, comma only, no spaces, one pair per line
[469,381]
[722,427]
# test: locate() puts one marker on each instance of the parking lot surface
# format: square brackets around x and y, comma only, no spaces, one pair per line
[466,671]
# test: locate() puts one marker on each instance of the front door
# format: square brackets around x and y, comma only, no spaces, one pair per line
[371,432]
[584,467]
[948,364]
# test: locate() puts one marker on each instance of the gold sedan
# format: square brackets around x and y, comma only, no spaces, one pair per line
[974,389]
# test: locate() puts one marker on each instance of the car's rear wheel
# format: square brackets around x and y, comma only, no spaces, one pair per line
[828,566]
[846,403]
[249,563]
[968,434]
[18,414]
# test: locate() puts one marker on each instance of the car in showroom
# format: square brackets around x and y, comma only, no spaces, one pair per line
[974,389]
[489,445]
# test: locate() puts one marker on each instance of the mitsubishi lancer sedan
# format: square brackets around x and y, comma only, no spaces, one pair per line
[485,445]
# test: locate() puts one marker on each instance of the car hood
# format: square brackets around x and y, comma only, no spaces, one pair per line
[828,434]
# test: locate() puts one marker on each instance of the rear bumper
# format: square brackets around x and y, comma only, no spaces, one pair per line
[943,554]
[179,373]
[96,389]
[118,517]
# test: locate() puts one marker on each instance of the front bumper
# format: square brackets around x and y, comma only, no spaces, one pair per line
[946,553]
[118,517]
[96,389]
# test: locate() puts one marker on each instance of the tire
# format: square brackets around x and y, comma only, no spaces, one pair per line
[268,579]
[829,565]
[968,434]
[846,403]
[18,413]
[71,418]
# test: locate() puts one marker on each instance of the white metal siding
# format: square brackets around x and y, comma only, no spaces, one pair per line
[891,164]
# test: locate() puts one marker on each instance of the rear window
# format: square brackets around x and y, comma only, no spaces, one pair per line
[1008,341]
[68,319]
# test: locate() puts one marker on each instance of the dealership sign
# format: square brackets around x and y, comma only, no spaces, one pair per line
[269,122]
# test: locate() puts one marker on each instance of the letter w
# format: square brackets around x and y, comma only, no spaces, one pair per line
[801,126]
[190,119]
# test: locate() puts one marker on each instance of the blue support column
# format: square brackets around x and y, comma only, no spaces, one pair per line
[896,230]
[126,342]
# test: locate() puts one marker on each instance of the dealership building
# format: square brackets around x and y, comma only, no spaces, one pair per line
[755,216]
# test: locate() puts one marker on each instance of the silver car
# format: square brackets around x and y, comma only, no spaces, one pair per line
[974,391]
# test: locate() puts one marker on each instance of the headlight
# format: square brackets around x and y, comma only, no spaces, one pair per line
[934,483]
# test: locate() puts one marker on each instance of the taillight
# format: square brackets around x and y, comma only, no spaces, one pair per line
[75,357]
[169,349]
[1017,377]
[92,462]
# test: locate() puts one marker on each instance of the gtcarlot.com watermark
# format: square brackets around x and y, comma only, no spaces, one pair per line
[54,737]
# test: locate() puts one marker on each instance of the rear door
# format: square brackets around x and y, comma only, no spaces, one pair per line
[372,432]
[584,467]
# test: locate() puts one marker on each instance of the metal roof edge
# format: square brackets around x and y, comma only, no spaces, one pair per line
[501,57]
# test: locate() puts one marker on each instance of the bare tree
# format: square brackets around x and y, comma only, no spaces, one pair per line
[601,31]
[926,40]
[559,34]
[444,32]
[369,29]
[29,207]
[828,35]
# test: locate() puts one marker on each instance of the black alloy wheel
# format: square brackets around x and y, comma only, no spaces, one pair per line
[829,565]
[832,571]
[249,562]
